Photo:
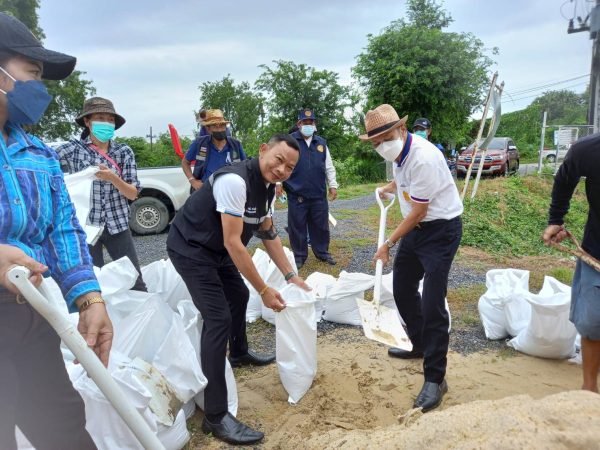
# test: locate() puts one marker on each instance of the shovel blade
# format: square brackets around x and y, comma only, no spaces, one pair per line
[383,325]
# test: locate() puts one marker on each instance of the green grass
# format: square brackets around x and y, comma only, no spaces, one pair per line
[508,215]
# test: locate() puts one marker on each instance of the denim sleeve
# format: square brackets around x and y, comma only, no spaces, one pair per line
[65,249]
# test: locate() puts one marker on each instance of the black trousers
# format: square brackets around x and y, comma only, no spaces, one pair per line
[35,391]
[219,293]
[427,252]
[308,215]
[117,246]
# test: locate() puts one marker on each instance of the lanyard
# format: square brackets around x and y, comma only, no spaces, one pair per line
[108,158]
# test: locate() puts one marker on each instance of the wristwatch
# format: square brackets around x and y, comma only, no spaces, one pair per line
[389,243]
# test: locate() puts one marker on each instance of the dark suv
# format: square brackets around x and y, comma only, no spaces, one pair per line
[502,158]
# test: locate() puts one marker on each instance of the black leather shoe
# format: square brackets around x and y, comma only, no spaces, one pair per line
[299,264]
[251,358]
[431,395]
[232,431]
[404,354]
[329,260]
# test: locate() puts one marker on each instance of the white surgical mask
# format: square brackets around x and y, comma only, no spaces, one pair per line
[390,150]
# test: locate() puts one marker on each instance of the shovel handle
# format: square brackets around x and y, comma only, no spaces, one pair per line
[578,251]
[19,276]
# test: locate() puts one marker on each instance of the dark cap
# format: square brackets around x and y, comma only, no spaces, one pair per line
[98,105]
[422,122]
[16,38]
[305,113]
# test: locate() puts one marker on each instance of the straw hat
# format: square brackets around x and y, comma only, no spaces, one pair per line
[214,117]
[381,120]
[98,105]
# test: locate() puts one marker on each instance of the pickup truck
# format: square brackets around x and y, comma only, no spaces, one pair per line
[164,191]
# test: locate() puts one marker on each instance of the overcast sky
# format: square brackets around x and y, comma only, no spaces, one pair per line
[150,56]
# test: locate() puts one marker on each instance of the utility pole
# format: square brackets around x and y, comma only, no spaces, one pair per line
[151,137]
[594,28]
[542,142]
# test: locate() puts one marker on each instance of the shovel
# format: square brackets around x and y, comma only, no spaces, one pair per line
[380,323]
[19,276]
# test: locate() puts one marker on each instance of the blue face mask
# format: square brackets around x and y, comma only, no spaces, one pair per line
[307,130]
[421,133]
[103,131]
[27,101]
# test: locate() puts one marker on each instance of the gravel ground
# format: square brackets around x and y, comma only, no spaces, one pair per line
[464,339]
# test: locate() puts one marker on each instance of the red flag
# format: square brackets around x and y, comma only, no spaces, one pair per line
[175,141]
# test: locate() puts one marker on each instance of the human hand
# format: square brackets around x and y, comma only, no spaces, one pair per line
[106,174]
[383,253]
[196,184]
[11,256]
[332,194]
[272,299]
[298,281]
[96,328]
[554,234]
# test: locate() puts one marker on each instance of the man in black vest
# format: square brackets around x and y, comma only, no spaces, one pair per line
[207,245]
[212,151]
[308,210]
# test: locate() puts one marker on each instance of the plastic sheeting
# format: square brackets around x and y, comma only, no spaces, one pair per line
[79,186]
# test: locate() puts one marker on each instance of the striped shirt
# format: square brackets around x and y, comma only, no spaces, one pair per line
[37,216]
[109,207]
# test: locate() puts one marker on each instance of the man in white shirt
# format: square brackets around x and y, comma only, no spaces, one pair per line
[308,210]
[431,230]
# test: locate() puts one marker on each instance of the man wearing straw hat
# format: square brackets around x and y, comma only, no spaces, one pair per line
[39,230]
[582,160]
[212,151]
[430,233]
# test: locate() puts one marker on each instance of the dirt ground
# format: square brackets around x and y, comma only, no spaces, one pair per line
[361,398]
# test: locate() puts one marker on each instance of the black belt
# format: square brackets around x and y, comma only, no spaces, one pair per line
[432,223]
[8,297]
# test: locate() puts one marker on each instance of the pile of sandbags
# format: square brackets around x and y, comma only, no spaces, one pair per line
[538,323]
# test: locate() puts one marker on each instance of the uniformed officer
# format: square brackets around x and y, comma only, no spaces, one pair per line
[212,151]
[207,245]
[308,210]
[431,230]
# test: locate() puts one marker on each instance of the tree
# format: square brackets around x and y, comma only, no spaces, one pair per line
[239,103]
[288,87]
[564,107]
[425,72]
[69,94]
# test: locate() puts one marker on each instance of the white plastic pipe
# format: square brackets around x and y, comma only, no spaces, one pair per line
[19,276]
[380,241]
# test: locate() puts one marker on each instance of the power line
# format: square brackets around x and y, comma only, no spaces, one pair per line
[537,95]
[544,86]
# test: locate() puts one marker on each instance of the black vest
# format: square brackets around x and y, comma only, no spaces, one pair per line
[197,227]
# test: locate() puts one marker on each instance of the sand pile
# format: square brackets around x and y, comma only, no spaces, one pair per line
[568,420]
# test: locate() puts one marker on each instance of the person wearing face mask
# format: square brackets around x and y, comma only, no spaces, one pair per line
[308,210]
[207,245]
[39,230]
[212,151]
[429,235]
[422,128]
[117,182]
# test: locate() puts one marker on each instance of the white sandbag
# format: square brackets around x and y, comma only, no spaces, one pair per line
[177,435]
[503,308]
[296,342]
[154,333]
[162,278]
[549,333]
[340,305]
[116,276]
[232,395]
[189,409]
[276,280]
[192,323]
[261,262]
[121,304]
[22,442]
[79,186]
[320,284]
